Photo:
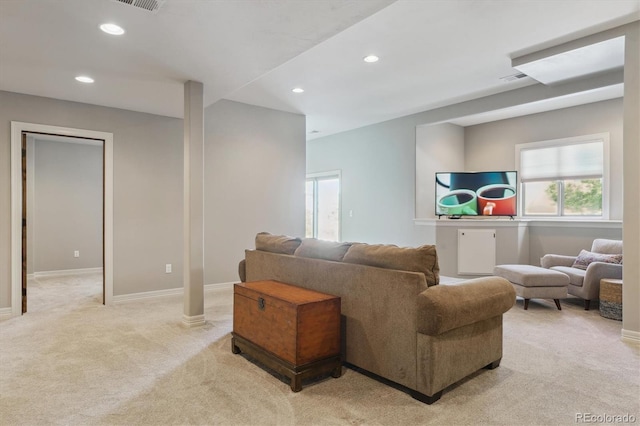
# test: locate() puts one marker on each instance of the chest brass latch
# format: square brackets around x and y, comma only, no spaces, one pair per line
[261,303]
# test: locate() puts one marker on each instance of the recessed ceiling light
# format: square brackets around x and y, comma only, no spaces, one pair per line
[297,90]
[112,29]
[84,79]
[371,58]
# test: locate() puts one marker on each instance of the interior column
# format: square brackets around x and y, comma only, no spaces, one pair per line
[631,223]
[193,204]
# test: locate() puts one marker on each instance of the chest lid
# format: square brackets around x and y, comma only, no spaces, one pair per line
[280,291]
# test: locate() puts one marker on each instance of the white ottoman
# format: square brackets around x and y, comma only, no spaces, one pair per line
[534,282]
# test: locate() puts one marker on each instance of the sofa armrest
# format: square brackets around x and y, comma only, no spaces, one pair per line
[445,307]
[549,260]
[242,270]
[598,270]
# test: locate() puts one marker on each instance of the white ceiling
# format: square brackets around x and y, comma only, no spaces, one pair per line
[433,52]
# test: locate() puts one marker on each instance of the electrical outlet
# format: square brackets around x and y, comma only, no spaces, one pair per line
[76,253]
[167,268]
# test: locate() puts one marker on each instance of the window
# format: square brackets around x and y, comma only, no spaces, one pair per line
[565,177]
[322,192]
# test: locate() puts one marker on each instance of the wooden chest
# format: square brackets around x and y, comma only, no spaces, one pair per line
[293,330]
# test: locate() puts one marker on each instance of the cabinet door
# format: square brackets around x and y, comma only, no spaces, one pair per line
[476,251]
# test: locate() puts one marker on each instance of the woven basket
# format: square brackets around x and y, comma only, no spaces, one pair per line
[611,299]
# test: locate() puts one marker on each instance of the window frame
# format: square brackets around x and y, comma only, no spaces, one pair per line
[318,176]
[575,140]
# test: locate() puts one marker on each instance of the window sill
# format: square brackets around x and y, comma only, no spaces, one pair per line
[520,221]
[573,222]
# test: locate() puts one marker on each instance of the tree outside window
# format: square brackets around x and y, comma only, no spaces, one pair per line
[579,197]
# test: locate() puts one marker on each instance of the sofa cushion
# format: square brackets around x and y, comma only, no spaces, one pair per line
[277,243]
[586,257]
[421,259]
[602,245]
[320,249]
[576,276]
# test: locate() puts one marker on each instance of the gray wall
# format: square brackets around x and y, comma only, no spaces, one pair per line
[491,146]
[148,151]
[67,206]
[566,239]
[254,181]
[439,148]
[378,174]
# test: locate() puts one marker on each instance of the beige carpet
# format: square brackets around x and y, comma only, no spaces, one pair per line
[71,360]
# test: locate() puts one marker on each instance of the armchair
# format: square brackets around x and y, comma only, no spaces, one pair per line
[585,283]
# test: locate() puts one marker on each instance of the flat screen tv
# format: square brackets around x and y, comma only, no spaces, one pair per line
[476,194]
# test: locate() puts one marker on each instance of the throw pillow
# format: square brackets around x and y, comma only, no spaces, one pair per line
[586,257]
[277,243]
[422,259]
[320,249]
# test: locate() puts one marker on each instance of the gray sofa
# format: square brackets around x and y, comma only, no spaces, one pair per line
[399,324]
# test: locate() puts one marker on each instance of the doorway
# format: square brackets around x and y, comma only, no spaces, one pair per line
[62,215]
[18,209]
[323,215]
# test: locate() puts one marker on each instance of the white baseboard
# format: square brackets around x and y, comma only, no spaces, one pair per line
[31,276]
[147,295]
[169,292]
[629,336]
[45,274]
[193,321]
[219,286]
[5,313]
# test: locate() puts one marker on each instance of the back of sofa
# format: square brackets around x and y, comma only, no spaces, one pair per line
[422,259]
[378,305]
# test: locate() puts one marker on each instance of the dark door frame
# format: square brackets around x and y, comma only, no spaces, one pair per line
[24,211]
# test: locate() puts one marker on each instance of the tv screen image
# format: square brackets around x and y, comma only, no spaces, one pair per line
[476,193]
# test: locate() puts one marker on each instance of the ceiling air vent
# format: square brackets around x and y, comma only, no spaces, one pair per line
[150,5]
[513,77]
